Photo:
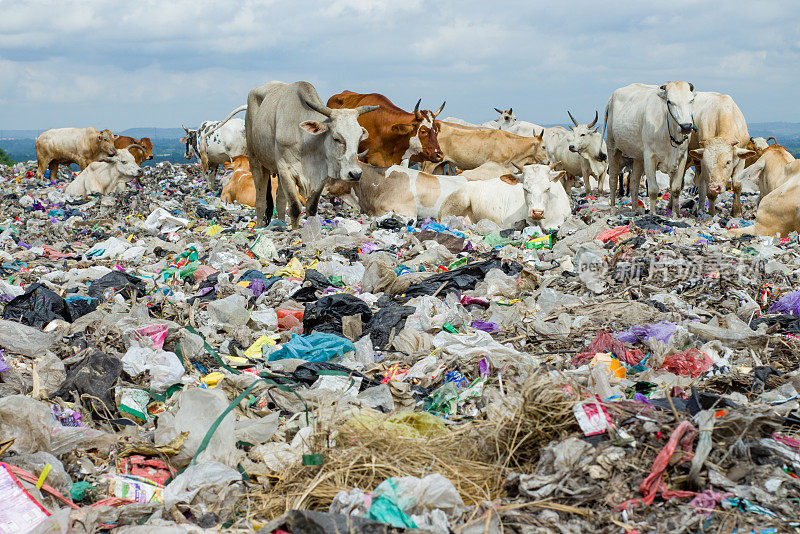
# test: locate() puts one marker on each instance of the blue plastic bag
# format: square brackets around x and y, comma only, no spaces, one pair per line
[315,347]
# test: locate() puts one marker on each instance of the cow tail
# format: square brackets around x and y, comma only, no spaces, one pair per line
[605,118]
[226,119]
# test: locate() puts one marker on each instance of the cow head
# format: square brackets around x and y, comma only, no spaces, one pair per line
[190,139]
[586,140]
[538,152]
[341,135]
[422,133]
[679,97]
[147,145]
[506,119]
[537,181]
[719,159]
[105,140]
[126,165]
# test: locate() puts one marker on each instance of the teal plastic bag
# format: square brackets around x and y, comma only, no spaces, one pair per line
[385,510]
[315,347]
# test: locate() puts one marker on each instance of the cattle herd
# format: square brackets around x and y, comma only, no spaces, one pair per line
[291,148]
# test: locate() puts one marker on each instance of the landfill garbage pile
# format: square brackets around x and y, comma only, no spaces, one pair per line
[166,366]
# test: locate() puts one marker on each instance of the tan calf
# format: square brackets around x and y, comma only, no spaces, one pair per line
[778,212]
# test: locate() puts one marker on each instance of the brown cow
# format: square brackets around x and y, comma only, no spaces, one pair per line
[62,146]
[240,187]
[394,135]
[141,150]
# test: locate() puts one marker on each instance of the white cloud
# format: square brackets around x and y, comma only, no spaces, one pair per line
[157,63]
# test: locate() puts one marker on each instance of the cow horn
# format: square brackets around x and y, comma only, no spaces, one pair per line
[317,105]
[691,87]
[436,113]
[362,154]
[510,111]
[770,137]
[596,116]
[416,109]
[573,118]
[497,110]
[514,163]
[185,128]
[365,109]
[134,145]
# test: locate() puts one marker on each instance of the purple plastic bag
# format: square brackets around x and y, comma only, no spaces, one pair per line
[485,326]
[788,304]
[661,331]
[257,286]
[3,364]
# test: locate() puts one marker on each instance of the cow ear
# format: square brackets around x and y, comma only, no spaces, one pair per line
[183,140]
[556,176]
[743,153]
[510,179]
[364,133]
[697,153]
[662,91]
[313,127]
[402,128]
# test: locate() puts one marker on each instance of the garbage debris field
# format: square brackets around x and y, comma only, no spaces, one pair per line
[165,365]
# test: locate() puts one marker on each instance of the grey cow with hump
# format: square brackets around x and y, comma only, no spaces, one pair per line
[291,133]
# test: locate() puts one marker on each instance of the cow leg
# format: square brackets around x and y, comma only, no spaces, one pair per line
[288,194]
[313,203]
[634,179]
[613,170]
[736,180]
[43,163]
[652,185]
[53,166]
[261,180]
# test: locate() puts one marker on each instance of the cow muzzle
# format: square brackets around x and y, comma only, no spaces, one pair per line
[572,148]
[537,215]
[435,157]
[714,189]
[687,127]
[354,176]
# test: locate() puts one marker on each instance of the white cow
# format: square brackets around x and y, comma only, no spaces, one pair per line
[551,134]
[533,195]
[292,133]
[582,152]
[216,142]
[505,121]
[718,148]
[651,126]
[106,177]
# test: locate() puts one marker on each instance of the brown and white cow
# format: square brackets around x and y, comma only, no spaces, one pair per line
[395,135]
[62,146]
[772,169]
[240,186]
[469,147]
[141,150]
[778,212]
[396,189]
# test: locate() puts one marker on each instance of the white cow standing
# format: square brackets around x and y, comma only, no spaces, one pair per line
[718,148]
[216,142]
[106,177]
[582,152]
[651,126]
[292,133]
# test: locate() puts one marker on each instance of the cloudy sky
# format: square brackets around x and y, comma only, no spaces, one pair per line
[125,64]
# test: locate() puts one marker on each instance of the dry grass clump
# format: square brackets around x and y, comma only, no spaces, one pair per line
[544,414]
[475,457]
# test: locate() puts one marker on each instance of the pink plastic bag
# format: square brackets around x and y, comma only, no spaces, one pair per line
[690,362]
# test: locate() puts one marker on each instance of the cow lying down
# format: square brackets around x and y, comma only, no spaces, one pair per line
[105,178]
[778,212]
[239,185]
[533,194]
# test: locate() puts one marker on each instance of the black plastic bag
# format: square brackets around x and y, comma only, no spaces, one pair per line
[314,281]
[119,282]
[206,213]
[37,307]
[325,315]
[97,375]
[462,278]
[380,328]
[308,373]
